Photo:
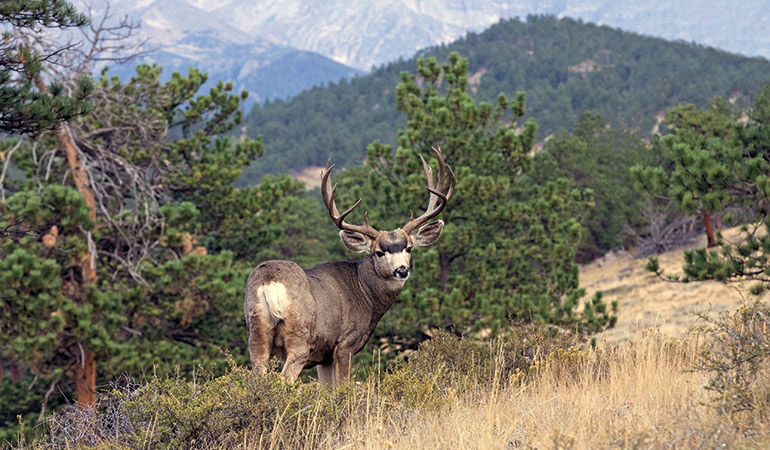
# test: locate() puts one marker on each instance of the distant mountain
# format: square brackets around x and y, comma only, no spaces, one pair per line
[266,70]
[362,33]
[185,36]
[565,67]
[217,34]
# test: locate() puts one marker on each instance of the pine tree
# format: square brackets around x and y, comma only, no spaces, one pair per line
[696,148]
[507,250]
[598,157]
[24,107]
[115,275]
[727,173]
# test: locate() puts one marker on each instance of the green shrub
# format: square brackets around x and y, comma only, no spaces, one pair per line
[205,411]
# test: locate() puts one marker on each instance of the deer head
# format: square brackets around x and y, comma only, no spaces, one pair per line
[391,250]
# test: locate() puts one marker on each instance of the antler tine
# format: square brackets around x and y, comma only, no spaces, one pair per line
[439,195]
[429,177]
[328,192]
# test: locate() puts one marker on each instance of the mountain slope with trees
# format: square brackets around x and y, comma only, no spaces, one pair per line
[566,67]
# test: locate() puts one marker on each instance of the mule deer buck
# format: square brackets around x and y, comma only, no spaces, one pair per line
[323,315]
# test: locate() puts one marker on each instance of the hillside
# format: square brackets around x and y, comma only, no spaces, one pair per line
[566,67]
[645,301]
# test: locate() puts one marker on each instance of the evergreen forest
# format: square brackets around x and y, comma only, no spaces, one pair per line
[133,210]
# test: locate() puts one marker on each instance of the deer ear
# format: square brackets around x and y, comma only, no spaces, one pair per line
[428,233]
[355,242]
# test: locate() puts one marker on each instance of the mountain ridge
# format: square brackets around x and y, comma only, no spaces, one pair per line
[565,67]
[359,35]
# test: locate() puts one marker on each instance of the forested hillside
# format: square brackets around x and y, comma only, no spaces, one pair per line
[566,68]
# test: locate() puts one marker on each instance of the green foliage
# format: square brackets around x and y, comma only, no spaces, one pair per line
[736,358]
[173,240]
[19,394]
[44,313]
[23,108]
[566,67]
[597,157]
[47,13]
[508,247]
[720,167]
[273,220]
[189,312]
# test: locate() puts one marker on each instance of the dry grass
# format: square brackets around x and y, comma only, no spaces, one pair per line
[645,301]
[637,390]
[638,394]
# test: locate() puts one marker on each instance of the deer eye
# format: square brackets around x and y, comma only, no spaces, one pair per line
[409,249]
[379,254]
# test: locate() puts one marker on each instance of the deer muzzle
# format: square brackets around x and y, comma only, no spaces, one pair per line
[402,273]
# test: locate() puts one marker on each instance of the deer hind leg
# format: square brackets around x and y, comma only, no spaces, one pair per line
[342,362]
[297,352]
[265,313]
[261,334]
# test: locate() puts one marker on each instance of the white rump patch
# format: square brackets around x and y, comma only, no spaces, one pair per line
[274,299]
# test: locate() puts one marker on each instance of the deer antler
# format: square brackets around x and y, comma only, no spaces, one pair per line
[439,195]
[327,192]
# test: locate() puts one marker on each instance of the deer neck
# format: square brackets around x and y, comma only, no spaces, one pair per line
[380,292]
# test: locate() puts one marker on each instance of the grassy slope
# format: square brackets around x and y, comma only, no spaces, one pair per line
[646,301]
[645,398]
[645,394]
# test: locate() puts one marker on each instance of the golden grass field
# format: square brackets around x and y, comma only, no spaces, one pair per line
[645,301]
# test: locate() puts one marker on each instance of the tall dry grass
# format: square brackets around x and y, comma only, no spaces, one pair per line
[638,394]
[642,393]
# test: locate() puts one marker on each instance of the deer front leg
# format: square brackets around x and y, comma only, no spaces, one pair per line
[342,360]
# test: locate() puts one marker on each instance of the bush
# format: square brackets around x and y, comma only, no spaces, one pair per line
[447,365]
[209,411]
[737,360]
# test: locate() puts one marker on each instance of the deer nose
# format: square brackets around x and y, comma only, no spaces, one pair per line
[402,272]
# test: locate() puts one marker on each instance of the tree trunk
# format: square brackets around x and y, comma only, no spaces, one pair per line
[78,174]
[85,379]
[711,242]
[85,372]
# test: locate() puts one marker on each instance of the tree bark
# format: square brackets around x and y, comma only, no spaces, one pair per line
[85,379]
[78,173]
